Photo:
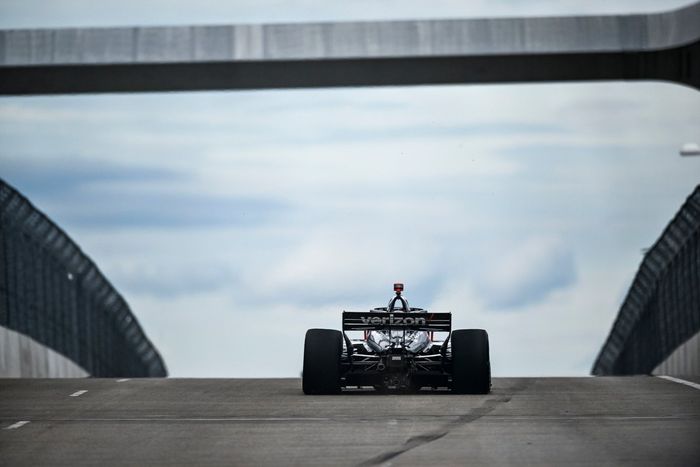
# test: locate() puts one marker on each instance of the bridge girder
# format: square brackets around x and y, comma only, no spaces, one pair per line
[660,46]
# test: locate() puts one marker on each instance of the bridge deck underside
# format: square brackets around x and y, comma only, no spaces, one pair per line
[674,65]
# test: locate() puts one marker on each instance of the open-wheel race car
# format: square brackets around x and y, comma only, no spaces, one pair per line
[398,351]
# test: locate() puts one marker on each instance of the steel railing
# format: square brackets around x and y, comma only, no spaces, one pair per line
[51,291]
[662,308]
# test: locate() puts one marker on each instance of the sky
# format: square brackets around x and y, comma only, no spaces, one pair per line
[231,222]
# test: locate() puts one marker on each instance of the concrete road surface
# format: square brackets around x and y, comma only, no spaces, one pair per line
[524,421]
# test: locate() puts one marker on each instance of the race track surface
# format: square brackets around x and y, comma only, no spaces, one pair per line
[524,421]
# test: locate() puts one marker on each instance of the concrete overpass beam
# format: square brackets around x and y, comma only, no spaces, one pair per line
[662,46]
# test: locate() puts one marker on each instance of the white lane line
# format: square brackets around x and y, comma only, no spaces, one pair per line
[250,419]
[588,417]
[19,424]
[681,381]
[122,380]
[173,419]
[78,393]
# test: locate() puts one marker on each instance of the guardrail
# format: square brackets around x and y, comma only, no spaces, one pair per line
[662,308]
[51,291]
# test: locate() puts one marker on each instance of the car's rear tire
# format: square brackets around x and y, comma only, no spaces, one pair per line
[322,349]
[471,366]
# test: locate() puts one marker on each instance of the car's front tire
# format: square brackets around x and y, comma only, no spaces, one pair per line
[322,349]
[471,365]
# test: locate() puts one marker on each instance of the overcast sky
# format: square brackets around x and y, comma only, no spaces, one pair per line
[233,221]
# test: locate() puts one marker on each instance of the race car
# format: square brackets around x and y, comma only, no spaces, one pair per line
[398,351]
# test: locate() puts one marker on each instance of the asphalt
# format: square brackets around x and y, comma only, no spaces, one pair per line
[524,421]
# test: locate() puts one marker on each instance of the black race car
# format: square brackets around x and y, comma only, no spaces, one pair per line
[398,351]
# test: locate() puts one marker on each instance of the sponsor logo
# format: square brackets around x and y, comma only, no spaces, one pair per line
[392,320]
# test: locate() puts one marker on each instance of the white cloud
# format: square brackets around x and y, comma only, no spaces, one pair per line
[526,272]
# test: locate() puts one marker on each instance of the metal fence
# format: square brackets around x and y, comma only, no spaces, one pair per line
[662,308]
[52,292]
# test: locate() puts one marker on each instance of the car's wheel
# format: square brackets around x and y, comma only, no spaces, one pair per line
[322,349]
[471,367]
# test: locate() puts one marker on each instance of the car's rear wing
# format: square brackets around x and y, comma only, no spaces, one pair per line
[370,321]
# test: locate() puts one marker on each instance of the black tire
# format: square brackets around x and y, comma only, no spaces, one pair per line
[322,349]
[471,366]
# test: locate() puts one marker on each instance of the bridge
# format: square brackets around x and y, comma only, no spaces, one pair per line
[117,419]
[661,46]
